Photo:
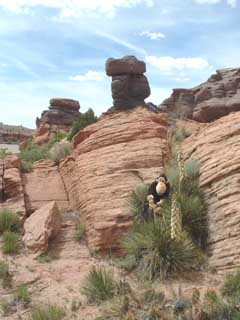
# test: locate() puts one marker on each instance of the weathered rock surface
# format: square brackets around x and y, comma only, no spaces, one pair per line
[110,158]
[42,226]
[43,185]
[217,97]
[129,86]
[60,117]
[11,189]
[217,148]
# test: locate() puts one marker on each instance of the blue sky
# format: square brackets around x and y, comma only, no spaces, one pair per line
[58,48]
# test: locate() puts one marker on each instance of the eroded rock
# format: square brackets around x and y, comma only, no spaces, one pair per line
[41,227]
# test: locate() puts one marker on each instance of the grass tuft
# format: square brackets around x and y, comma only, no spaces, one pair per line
[47,312]
[10,243]
[9,221]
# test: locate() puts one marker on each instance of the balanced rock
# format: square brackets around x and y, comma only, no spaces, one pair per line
[59,117]
[110,158]
[129,86]
[42,226]
[217,97]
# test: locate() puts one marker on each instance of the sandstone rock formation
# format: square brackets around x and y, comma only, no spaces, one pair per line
[109,159]
[17,134]
[129,86]
[11,189]
[217,97]
[42,226]
[43,185]
[60,117]
[216,147]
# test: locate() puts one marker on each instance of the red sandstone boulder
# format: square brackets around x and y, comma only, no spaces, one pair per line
[42,226]
[109,160]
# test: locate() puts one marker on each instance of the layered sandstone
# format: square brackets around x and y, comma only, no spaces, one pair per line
[110,159]
[43,185]
[17,134]
[216,147]
[215,98]
[129,85]
[59,117]
[11,188]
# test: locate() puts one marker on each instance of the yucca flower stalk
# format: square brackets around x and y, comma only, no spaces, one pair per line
[180,163]
[176,220]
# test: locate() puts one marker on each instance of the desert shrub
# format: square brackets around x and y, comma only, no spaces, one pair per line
[83,121]
[59,151]
[10,242]
[5,276]
[44,258]
[47,312]
[4,153]
[231,287]
[80,231]
[22,295]
[56,137]
[157,254]
[99,285]
[137,202]
[9,221]
[32,153]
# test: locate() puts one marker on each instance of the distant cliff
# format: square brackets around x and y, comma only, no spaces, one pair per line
[16,134]
[217,97]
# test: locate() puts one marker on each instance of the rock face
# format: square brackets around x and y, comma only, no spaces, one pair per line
[17,134]
[129,86]
[43,185]
[11,189]
[42,226]
[110,158]
[60,117]
[217,97]
[216,147]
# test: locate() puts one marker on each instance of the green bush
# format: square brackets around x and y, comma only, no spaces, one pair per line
[10,242]
[231,287]
[83,121]
[5,276]
[98,285]
[4,153]
[80,232]
[158,255]
[137,202]
[47,312]
[59,151]
[22,295]
[57,137]
[9,221]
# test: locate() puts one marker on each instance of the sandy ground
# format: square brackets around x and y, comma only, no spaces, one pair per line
[13,148]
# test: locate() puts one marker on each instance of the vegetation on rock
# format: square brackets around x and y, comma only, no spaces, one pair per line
[9,221]
[10,243]
[47,312]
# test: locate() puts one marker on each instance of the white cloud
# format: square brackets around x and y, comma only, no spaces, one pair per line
[122,42]
[88,76]
[74,8]
[153,35]
[169,65]
[231,3]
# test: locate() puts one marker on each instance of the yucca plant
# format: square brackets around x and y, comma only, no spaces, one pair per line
[159,255]
[99,285]
[47,312]
[137,202]
[9,221]
[10,242]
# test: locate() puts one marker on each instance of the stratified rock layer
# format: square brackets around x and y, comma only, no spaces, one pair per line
[11,189]
[129,86]
[43,185]
[110,159]
[211,100]
[60,117]
[217,148]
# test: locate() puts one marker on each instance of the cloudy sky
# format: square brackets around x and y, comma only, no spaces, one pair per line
[58,48]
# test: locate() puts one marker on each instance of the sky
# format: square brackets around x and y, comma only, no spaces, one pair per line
[58,48]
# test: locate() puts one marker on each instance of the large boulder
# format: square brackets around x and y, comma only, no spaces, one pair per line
[110,158]
[43,185]
[41,227]
[216,147]
[215,98]
[129,86]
